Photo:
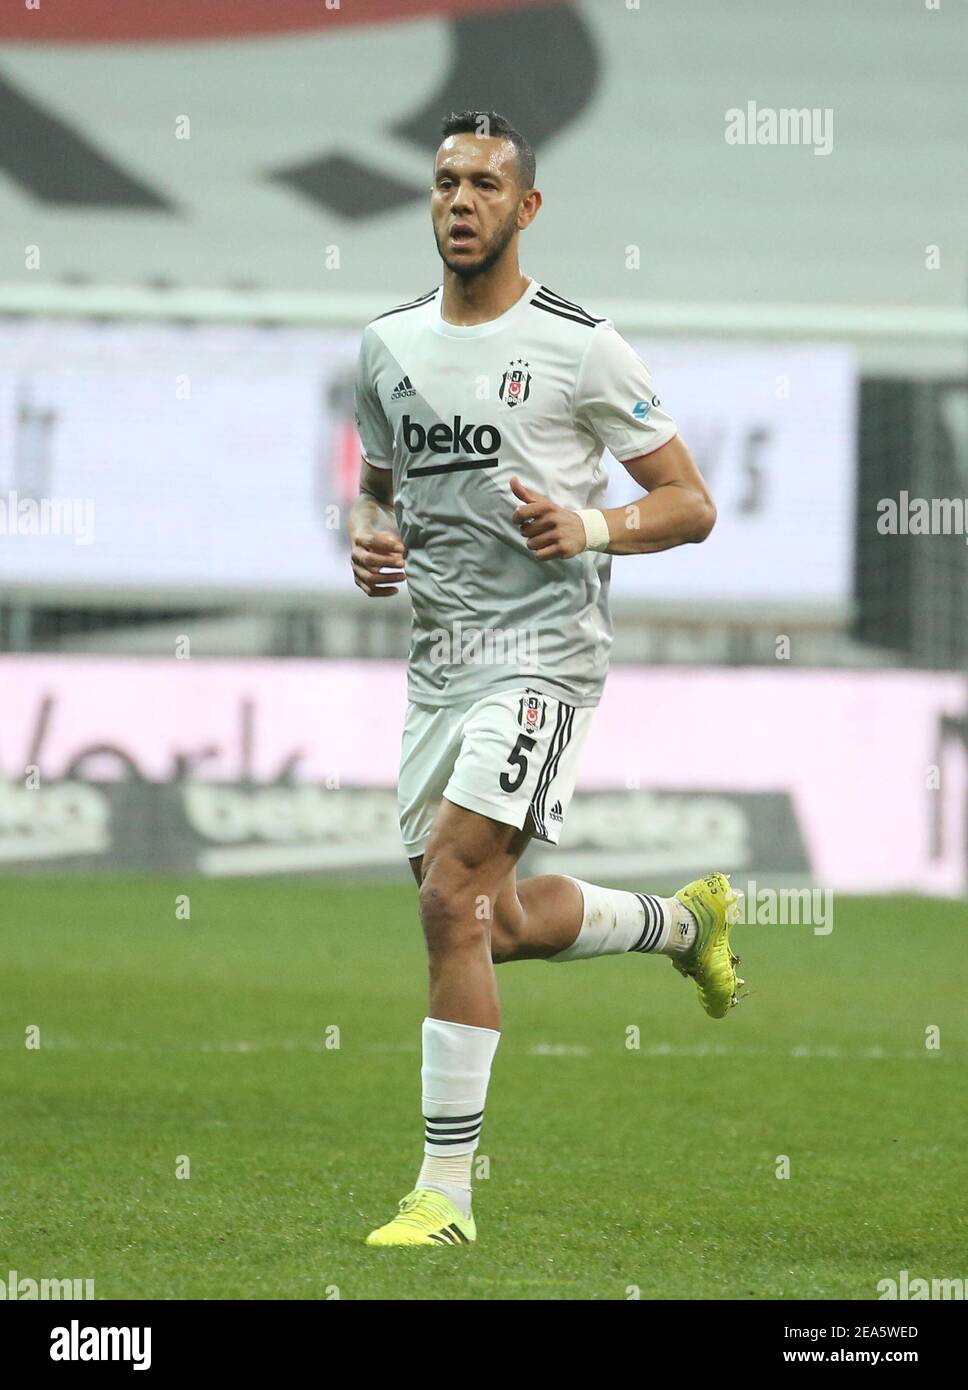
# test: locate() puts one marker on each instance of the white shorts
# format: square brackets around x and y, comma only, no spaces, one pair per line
[510,753]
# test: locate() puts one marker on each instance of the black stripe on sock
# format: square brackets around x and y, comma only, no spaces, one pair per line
[659,915]
[653,924]
[647,928]
[452,1119]
[434,1132]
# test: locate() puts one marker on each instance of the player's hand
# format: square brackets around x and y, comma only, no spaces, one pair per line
[377,558]
[552,532]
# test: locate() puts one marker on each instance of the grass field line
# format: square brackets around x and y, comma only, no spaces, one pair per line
[242,1047]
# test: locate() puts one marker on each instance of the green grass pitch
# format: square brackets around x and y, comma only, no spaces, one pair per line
[611,1168]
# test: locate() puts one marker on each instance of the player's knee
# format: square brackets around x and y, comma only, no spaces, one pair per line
[448,906]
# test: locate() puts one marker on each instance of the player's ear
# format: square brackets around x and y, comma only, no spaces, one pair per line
[528,208]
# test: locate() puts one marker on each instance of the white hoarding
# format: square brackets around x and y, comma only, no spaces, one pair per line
[206,458]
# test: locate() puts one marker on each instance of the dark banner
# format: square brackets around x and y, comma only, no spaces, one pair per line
[228,830]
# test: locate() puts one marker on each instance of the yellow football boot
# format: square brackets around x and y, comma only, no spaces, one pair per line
[425,1218]
[710,960]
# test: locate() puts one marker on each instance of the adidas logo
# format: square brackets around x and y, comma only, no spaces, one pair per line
[555,812]
[402,389]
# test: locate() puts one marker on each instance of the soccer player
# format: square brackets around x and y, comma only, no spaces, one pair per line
[484,407]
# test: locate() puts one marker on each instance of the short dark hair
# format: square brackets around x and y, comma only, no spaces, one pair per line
[495,126]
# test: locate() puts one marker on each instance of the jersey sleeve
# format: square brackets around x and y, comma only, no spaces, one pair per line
[376,436]
[614,398]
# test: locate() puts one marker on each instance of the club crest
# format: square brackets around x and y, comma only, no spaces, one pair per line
[515,383]
[531,713]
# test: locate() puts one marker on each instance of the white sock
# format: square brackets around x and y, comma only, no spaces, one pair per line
[451,1176]
[614,921]
[456,1069]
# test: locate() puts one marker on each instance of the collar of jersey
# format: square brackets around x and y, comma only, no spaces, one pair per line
[480,330]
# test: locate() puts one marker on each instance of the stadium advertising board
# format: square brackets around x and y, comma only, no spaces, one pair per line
[208,459]
[856,779]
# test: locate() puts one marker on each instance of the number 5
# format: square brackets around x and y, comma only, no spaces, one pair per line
[517,759]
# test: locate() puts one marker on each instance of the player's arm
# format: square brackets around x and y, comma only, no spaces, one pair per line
[616,406]
[675,510]
[377,553]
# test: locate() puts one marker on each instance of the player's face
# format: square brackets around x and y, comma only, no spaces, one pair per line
[475,203]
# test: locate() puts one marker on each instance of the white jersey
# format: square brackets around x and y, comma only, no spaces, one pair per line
[456,412]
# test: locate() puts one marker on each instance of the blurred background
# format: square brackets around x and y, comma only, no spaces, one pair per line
[202,205]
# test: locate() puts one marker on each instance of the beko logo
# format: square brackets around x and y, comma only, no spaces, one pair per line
[480,442]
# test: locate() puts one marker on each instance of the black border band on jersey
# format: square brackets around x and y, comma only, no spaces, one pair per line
[567,303]
[554,304]
[412,304]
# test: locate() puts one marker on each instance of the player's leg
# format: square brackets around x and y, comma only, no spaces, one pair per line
[467,782]
[513,758]
[513,776]
[469,857]
[467,860]
[559,918]
[554,917]
[538,932]
[467,851]
[692,928]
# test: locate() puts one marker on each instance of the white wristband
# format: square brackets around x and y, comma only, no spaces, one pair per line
[596,529]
